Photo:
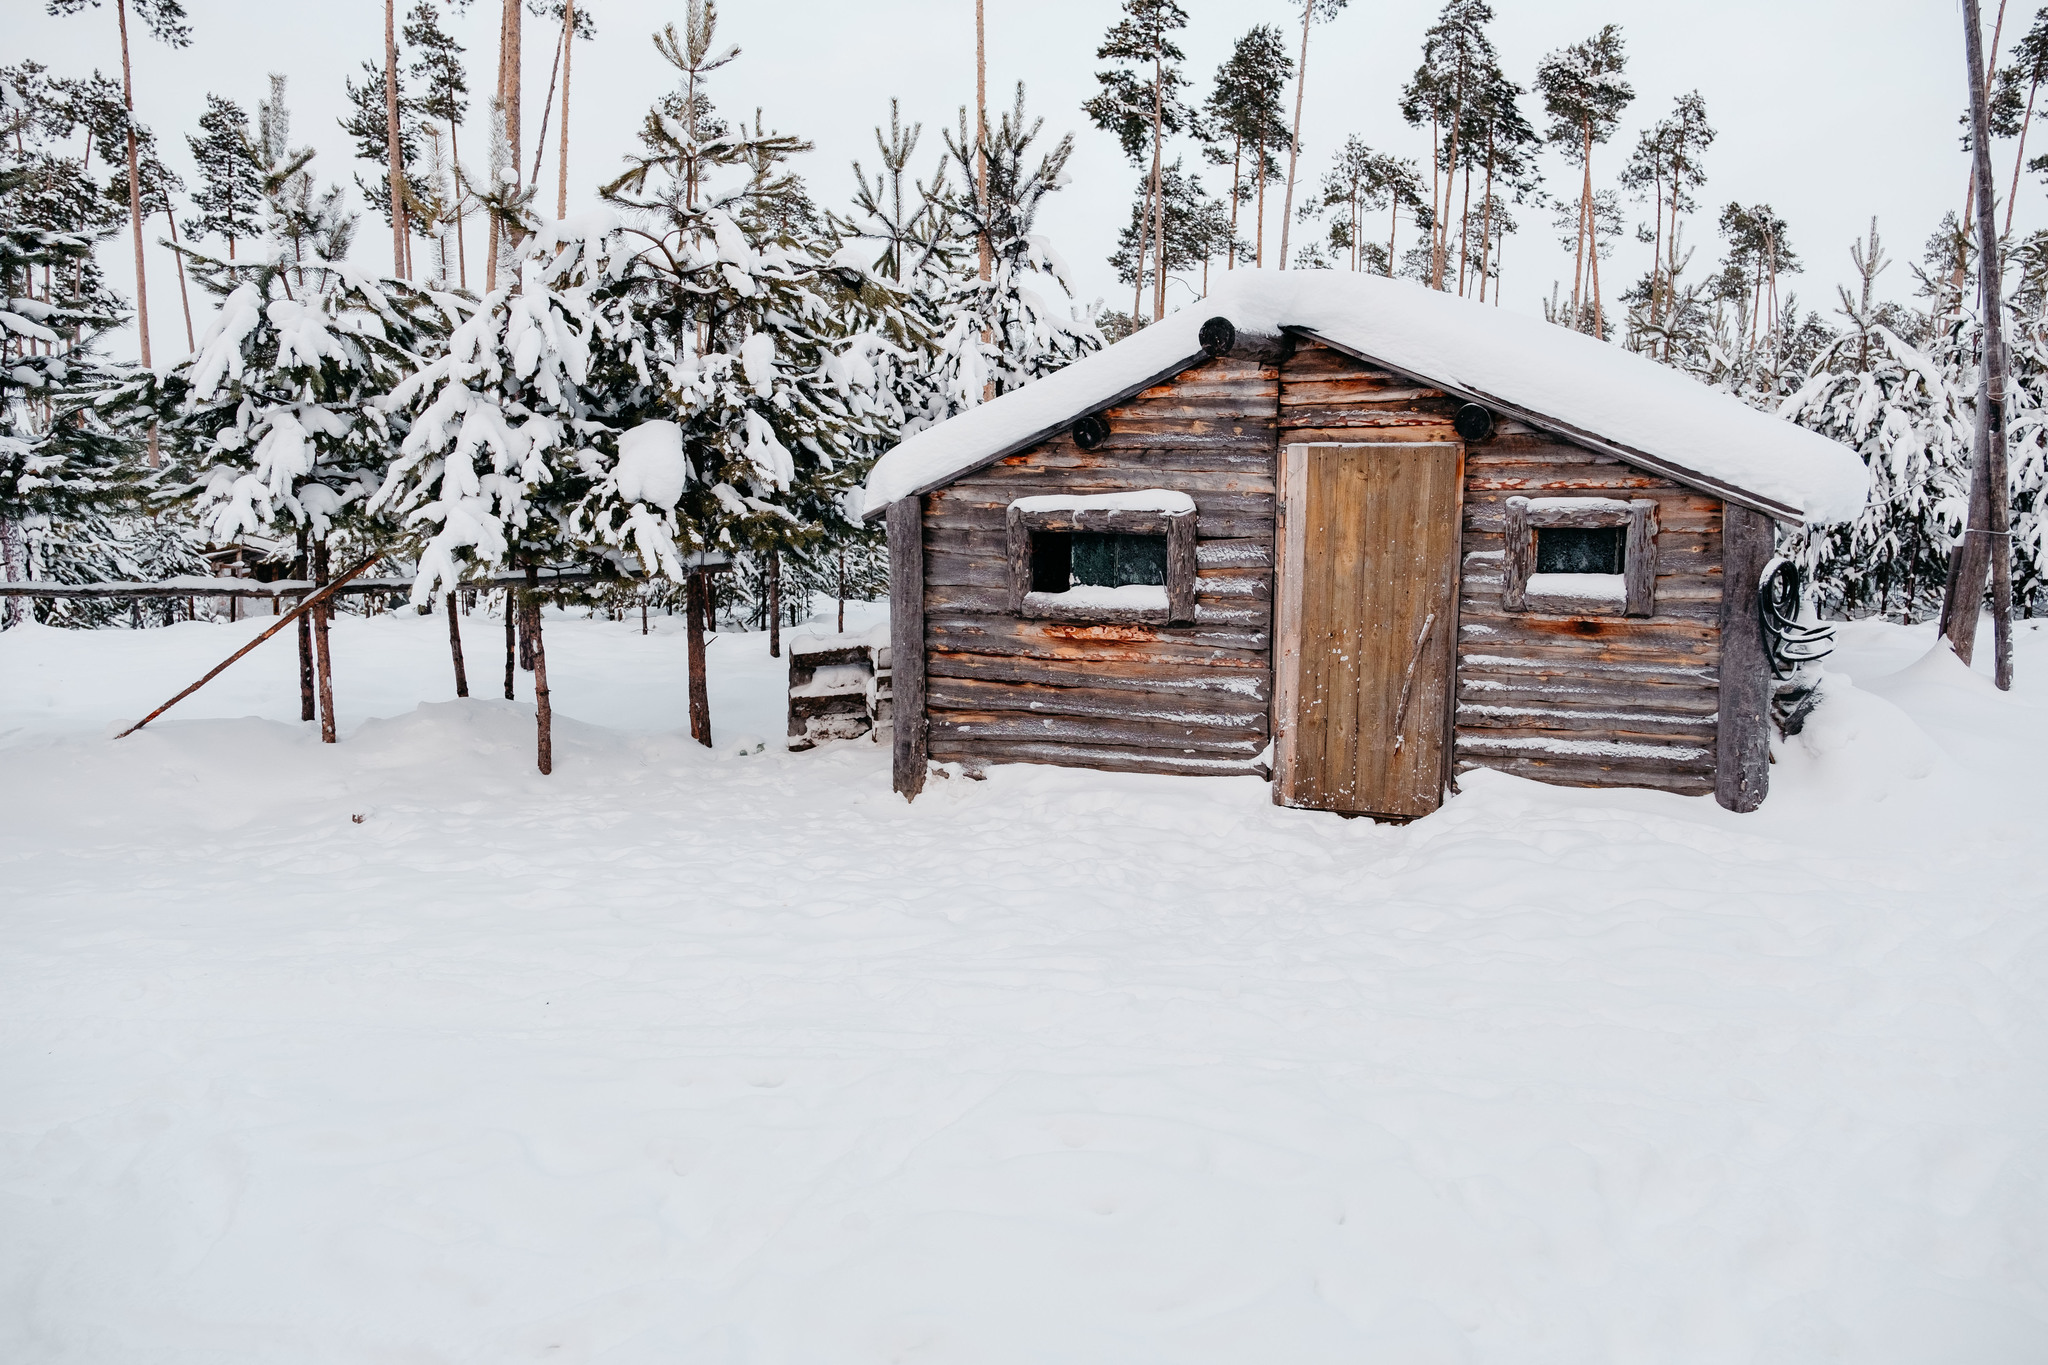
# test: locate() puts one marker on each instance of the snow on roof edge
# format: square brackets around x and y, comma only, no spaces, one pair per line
[1596,389]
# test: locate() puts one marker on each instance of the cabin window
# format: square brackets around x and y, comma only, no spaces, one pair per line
[1580,556]
[1104,558]
[1581,549]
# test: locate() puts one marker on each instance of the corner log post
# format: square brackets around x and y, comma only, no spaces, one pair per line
[906,642]
[1742,767]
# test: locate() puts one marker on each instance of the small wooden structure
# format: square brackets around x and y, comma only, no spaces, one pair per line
[839,687]
[1357,536]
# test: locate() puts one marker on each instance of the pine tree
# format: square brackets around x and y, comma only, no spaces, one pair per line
[767,340]
[1584,94]
[165,19]
[443,85]
[1669,162]
[1140,104]
[1504,144]
[1245,106]
[1311,11]
[1025,314]
[231,192]
[1458,64]
[369,125]
[60,461]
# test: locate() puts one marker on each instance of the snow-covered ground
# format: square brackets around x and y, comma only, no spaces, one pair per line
[725,1056]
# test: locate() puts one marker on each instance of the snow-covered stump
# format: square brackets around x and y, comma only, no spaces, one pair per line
[839,687]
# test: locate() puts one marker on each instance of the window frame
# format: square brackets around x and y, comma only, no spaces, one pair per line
[1525,516]
[1177,527]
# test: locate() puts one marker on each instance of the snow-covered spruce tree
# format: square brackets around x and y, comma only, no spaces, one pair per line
[1023,323]
[1907,411]
[536,437]
[768,330]
[60,460]
[277,425]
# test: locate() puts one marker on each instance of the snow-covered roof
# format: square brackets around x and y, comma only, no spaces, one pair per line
[1517,365]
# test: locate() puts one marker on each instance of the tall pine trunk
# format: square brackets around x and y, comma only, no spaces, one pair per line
[1308,10]
[562,160]
[1236,178]
[774,604]
[1986,543]
[178,259]
[395,162]
[461,248]
[2020,158]
[1486,217]
[1158,190]
[135,196]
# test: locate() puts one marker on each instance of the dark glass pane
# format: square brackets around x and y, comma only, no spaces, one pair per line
[1051,561]
[1573,549]
[1111,561]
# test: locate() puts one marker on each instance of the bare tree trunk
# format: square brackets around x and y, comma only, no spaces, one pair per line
[1236,179]
[178,258]
[1158,190]
[1585,209]
[509,65]
[2020,159]
[1259,248]
[322,660]
[700,698]
[511,640]
[308,709]
[562,160]
[455,646]
[1464,231]
[547,108]
[543,713]
[775,604]
[842,590]
[984,247]
[401,255]
[461,248]
[1985,546]
[1308,10]
[135,213]
[1486,218]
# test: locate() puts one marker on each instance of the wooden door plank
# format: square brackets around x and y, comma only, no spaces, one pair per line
[1370,535]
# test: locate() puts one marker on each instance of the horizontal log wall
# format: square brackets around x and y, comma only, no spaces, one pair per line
[1592,700]
[1141,698]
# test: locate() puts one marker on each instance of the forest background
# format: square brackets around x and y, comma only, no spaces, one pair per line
[1832,111]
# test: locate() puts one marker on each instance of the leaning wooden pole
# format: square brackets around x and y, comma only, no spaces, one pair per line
[1985,549]
[298,613]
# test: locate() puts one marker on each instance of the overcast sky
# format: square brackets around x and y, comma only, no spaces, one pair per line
[1829,110]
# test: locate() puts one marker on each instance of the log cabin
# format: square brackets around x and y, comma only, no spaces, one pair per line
[1354,536]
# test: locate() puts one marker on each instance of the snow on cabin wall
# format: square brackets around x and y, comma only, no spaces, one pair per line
[1182,699]
[1578,700]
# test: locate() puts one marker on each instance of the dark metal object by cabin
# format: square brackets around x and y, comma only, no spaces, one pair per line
[1654,676]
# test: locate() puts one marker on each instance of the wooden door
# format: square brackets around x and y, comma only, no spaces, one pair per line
[1367,625]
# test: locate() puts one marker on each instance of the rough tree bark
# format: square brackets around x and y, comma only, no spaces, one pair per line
[322,660]
[543,713]
[455,647]
[1985,549]
[700,698]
